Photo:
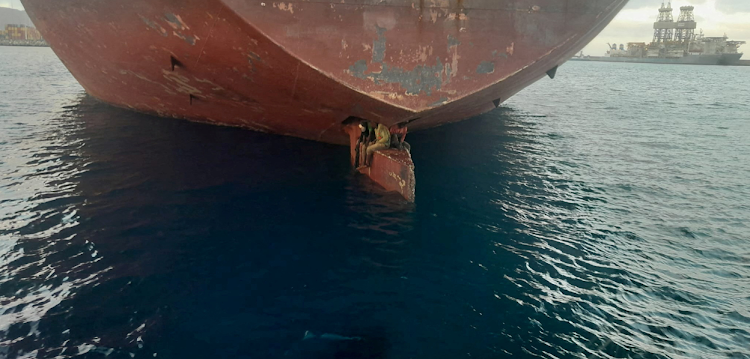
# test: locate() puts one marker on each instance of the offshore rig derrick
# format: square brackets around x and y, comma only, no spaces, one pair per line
[664,25]
[685,27]
[673,39]
[667,30]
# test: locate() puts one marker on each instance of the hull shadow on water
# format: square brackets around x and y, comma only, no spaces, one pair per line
[164,228]
[154,236]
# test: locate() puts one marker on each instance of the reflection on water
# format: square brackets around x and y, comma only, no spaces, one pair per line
[101,205]
[540,229]
[42,258]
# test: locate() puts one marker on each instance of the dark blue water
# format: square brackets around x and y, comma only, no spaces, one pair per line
[600,215]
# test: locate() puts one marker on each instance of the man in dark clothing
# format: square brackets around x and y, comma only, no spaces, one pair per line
[364,140]
[398,134]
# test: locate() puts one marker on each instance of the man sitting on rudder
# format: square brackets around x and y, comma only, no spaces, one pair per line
[382,142]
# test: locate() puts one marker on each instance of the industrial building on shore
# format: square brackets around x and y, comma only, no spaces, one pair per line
[21,35]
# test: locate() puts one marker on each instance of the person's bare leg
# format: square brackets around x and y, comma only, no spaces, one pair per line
[371,150]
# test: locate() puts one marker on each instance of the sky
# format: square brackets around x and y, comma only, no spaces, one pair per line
[635,22]
[16,4]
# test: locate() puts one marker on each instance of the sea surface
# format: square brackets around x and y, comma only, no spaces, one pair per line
[602,214]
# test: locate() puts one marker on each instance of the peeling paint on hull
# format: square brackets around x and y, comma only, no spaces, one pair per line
[303,68]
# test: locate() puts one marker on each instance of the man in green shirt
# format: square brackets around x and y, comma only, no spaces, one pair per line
[382,141]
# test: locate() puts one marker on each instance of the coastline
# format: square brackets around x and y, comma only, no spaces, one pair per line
[27,43]
[706,60]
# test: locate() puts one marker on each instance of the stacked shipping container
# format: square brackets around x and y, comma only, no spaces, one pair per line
[20,32]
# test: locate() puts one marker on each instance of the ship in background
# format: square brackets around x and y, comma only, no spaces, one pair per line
[675,42]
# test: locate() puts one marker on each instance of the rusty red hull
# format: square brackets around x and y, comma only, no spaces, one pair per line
[302,68]
[393,170]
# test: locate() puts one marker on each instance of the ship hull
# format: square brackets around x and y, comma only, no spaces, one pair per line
[306,69]
[718,59]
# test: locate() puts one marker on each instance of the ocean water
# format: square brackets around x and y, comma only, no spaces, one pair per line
[603,214]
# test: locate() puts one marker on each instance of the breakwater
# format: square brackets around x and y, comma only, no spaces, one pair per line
[36,43]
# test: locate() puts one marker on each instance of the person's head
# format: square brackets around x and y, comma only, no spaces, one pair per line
[363,125]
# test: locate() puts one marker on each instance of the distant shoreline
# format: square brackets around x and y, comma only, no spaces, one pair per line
[741,62]
[27,43]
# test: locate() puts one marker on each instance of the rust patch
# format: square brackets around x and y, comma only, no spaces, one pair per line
[401,182]
[453,41]
[438,102]
[180,82]
[187,38]
[486,67]
[254,59]
[378,45]
[162,31]
[205,81]
[422,79]
[451,70]
[285,7]
[175,21]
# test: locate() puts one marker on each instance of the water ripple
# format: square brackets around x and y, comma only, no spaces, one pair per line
[579,220]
